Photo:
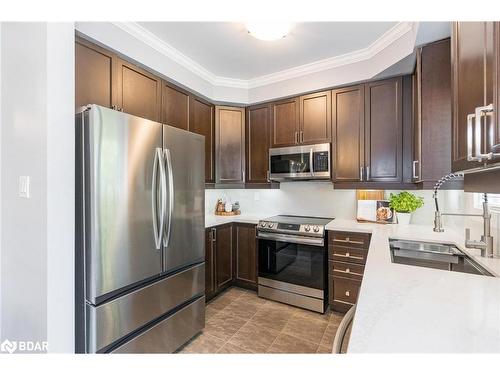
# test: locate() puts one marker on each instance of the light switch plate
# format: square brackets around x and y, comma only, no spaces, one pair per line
[24,187]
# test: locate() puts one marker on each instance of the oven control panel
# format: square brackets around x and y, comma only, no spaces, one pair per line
[303,229]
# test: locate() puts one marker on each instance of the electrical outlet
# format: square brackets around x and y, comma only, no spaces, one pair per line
[24,187]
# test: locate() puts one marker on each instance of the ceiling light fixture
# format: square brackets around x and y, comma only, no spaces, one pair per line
[268,30]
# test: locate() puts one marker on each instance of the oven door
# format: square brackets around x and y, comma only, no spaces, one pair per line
[300,264]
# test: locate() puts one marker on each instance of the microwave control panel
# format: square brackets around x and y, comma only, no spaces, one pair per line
[320,161]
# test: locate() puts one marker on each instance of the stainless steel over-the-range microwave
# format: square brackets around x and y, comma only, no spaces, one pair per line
[308,162]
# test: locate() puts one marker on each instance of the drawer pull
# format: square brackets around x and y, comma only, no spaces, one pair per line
[348,271]
[348,255]
[348,240]
[347,293]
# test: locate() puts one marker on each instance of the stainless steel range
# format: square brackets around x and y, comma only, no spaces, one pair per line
[293,258]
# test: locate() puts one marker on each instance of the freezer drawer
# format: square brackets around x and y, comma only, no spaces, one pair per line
[113,320]
[169,334]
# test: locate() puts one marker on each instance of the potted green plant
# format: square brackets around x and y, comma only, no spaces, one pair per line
[404,204]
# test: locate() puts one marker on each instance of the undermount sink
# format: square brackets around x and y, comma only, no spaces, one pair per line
[434,255]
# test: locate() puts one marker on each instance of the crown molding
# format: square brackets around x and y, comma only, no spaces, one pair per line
[389,37]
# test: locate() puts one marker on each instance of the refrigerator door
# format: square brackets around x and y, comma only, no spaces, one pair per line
[185,219]
[122,246]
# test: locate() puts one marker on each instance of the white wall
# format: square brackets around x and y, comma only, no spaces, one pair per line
[37,101]
[60,186]
[320,199]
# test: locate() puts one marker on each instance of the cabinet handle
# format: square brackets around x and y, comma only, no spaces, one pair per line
[267,177]
[415,162]
[348,240]
[301,136]
[478,114]
[470,154]
[296,137]
[361,169]
[214,234]
[347,293]
[348,255]
[368,173]
[348,271]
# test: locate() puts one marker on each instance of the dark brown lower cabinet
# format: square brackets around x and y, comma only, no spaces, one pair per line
[245,256]
[230,258]
[210,287]
[347,254]
[223,255]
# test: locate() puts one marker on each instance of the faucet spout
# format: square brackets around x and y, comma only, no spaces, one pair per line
[438,218]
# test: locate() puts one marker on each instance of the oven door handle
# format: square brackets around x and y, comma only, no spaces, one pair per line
[292,239]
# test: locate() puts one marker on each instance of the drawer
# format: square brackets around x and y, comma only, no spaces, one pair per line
[346,254]
[350,239]
[344,290]
[347,270]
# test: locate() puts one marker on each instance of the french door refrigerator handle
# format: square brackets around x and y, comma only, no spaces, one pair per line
[154,198]
[168,158]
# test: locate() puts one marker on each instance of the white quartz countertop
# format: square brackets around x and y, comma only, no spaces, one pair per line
[404,308]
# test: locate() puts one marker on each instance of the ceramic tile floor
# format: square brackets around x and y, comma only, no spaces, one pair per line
[238,321]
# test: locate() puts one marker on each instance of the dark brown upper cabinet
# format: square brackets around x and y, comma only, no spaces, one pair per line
[245,259]
[348,129]
[285,122]
[315,118]
[175,107]
[432,119]
[475,60]
[137,91]
[224,255]
[94,74]
[201,121]
[257,140]
[383,131]
[229,145]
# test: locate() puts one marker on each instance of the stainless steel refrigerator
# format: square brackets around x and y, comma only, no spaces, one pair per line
[140,271]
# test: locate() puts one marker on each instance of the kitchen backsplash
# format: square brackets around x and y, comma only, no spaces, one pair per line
[320,199]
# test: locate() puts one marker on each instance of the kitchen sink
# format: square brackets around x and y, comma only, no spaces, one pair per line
[434,255]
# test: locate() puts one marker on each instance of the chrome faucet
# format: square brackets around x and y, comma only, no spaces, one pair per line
[486,242]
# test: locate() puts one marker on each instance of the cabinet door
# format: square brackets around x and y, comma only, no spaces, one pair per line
[93,75]
[246,254]
[201,121]
[138,92]
[209,263]
[230,145]
[285,123]
[383,130]
[348,133]
[468,63]
[224,255]
[257,143]
[315,118]
[494,60]
[175,107]
[435,112]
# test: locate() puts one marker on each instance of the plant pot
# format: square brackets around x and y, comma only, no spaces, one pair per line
[404,218]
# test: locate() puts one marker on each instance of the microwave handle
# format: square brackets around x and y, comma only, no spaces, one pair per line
[311,164]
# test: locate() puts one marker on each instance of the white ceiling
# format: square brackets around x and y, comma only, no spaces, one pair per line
[227,50]
[221,62]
